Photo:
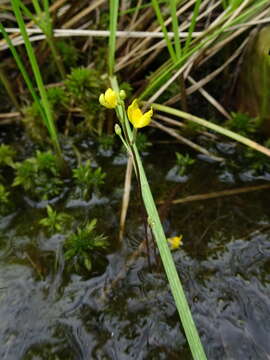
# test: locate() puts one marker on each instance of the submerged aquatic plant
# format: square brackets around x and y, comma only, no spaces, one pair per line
[55,222]
[40,175]
[83,244]
[87,178]
[183,162]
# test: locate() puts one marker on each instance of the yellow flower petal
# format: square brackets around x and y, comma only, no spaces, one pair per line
[136,117]
[175,242]
[102,100]
[109,99]
[144,120]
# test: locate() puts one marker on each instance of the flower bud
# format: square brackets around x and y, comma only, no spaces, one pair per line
[117,129]
[122,94]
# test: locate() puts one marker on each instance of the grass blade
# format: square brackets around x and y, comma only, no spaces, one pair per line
[114,5]
[219,129]
[33,61]
[23,71]
[193,24]
[164,30]
[175,26]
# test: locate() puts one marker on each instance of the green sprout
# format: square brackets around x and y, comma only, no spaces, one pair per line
[4,200]
[183,162]
[82,245]
[7,155]
[243,124]
[55,222]
[39,175]
[86,178]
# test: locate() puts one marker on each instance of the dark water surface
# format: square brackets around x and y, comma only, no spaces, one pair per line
[49,313]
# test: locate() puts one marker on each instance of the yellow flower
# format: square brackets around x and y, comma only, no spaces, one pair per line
[175,242]
[109,99]
[136,117]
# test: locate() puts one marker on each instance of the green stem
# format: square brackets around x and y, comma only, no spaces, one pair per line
[166,257]
[114,4]
[219,129]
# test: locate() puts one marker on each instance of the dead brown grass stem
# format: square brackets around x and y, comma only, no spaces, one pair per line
[217,194]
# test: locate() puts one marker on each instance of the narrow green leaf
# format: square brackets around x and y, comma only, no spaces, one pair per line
[219,129]
[33,61]
[114,4]
[164,30]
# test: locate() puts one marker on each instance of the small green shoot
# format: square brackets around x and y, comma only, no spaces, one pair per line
[86,178]
[82,245]
[4,200]
[243,124]
[7,155]
[55,222]
[183,162]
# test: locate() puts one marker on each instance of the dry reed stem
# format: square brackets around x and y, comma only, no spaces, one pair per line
[210,99]
[185,141]
[217,194]
[83,13]
[126,197]
[210,76]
